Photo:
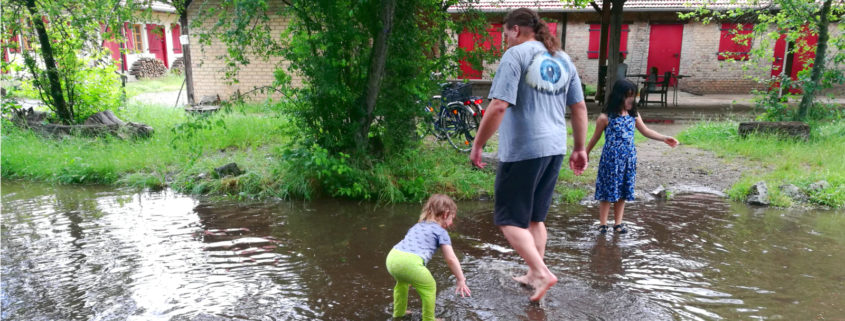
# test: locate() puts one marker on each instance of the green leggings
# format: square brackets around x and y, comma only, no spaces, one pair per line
[408,269]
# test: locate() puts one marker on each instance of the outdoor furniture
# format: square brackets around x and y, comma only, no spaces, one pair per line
[675,90]
[656,91]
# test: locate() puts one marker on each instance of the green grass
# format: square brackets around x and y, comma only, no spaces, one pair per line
[779,161]
[170,82]
[259,141]
[148,162]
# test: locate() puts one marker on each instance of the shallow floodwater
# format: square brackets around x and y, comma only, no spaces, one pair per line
[95,253]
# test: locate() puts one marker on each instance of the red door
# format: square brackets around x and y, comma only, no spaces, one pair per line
[805,51]
[468,40]
[156,41]
[664,49]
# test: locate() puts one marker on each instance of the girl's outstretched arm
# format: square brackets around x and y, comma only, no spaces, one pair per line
[601,124]
[647,132]
[455,265]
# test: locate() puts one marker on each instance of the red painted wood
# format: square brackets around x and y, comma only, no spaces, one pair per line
[130,37]
[156,43]
[664,49]
[176,31]
[594,45]
[468,42]
[805,52]
[728,47]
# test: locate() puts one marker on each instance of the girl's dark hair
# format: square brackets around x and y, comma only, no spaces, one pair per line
[622,89]
[525,17]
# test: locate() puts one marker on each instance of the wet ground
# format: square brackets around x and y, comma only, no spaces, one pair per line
[96,253]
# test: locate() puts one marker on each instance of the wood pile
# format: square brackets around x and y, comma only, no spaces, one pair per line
[178,66]
[148,68]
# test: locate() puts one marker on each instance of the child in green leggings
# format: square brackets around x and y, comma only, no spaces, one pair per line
[406,261]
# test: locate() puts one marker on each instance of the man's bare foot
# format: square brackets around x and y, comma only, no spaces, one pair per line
[524,280]
[541,285]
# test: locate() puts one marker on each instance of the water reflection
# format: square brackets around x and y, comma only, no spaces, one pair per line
[91,253]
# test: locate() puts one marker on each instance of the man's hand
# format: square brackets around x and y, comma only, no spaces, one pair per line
[475,157]
[578,161]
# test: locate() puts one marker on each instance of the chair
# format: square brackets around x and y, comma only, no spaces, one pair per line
[659,89]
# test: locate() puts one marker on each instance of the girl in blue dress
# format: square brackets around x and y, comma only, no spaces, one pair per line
[618,164]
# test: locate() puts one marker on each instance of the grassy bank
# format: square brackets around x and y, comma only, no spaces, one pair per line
[185,149]
[780,161]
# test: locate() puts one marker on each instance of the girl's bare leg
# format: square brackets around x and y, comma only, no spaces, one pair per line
[618,211]
[604,211]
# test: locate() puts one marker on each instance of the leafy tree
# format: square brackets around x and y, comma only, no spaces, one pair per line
[365,65]
[65,53]
[794,19]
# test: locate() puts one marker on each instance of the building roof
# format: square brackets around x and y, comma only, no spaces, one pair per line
[630,5]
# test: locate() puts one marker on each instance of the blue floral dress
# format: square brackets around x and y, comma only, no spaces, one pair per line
[618,164]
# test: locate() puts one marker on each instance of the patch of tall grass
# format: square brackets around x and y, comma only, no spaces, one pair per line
[149,162]
[170,82]
[779,161]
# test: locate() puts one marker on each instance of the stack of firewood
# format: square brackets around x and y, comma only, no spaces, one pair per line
[148,68]
[178,66]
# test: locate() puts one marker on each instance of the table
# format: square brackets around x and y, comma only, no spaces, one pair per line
[675,94]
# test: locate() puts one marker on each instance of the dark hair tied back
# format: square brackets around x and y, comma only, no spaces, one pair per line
[525,17]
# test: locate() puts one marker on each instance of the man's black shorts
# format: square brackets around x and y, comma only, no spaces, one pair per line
[524,190]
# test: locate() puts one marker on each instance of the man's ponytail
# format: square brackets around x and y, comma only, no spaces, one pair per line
[524,17]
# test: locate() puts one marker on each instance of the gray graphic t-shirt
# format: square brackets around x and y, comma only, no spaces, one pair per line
[423,239]
[538,87]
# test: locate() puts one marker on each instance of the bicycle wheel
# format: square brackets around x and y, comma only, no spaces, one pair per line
[465,128]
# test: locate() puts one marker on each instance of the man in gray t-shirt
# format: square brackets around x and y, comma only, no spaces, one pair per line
[534,84]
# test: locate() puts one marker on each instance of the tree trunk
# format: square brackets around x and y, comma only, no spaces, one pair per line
[54,84]
[186,53]
[818,63]
[613,50]
[376,73]
[605,21]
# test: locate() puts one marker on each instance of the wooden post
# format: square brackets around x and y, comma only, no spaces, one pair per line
[186,54]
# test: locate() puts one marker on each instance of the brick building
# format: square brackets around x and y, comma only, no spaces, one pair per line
[653,35]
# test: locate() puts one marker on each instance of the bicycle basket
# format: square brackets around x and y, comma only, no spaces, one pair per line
[457,92]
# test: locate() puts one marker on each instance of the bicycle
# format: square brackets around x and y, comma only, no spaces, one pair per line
[458,116]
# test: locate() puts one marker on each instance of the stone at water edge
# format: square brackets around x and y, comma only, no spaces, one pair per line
[228,169]
[661,193]
[818,186]
[793,192]
[758,194]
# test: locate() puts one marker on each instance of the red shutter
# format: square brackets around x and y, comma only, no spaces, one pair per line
[130,39]
[730,49]
[595,41]
[176,31]
[468,42]
[14,45]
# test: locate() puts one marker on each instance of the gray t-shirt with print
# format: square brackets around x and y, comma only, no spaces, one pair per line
[423,239]
[538,87]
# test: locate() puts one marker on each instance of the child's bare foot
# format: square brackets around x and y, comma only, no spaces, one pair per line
[541,285]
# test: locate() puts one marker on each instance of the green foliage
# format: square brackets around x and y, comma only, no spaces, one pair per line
[80,80]
[793,20]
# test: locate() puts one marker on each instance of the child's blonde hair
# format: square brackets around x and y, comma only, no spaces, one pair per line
[437,208]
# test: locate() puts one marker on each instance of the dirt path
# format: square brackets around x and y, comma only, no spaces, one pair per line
[682,169]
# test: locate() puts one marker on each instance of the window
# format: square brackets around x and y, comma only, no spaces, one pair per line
[732,43]
[138,38]
[176,31]
[595,41]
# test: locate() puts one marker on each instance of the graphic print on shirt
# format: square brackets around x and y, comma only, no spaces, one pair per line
[547,73]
